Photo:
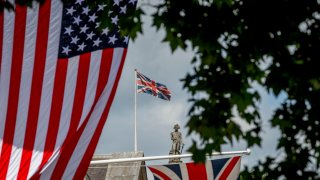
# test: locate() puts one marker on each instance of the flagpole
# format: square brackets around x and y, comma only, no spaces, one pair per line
[135,111]
[152,158]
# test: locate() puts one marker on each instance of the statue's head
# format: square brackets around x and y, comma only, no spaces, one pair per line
[176,127]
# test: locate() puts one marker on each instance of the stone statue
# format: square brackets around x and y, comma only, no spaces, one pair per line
[177,145]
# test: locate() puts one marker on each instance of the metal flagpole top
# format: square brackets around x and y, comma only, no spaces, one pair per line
[150,158]
[248,151]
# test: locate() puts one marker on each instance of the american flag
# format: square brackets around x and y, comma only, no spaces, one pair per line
[146,85]
[58,76]
[218,169]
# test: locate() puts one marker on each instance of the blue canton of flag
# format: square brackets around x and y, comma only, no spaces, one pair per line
[80,31]
[146,85]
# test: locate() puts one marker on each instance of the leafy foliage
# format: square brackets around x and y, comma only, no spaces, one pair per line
[238,43]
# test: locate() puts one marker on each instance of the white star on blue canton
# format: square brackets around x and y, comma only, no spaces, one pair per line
[85,10]
[89,36]
[112,39]
[79,2]
[66,50]
[74,40]
[81,47]
[93,18]
[132,1]
[126,39]
[105,31]
[115,20]
[68,30]
[97,25]
[84,29]
[116,2]
[101,7]
[123,9]
[71,11]
[76,20]
[97,42]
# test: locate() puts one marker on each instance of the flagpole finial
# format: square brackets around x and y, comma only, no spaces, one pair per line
[248,151]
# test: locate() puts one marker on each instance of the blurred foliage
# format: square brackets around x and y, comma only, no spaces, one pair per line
[238,43]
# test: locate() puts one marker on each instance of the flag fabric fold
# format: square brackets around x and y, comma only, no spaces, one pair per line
[218,169]
[149,86]
[58,76]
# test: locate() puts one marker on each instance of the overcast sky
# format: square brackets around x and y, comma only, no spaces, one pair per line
[156,117]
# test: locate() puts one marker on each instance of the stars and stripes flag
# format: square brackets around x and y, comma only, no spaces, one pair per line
[58,76]
[149,86]
[219,169]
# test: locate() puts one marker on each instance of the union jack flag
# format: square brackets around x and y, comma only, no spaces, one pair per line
[146,85]
[218,169]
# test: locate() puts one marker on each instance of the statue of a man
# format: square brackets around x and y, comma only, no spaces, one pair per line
[176,140]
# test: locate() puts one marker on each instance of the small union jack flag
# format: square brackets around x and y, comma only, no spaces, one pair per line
[218,169]
[146,85]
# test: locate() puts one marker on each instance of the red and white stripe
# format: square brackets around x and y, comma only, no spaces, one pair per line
[7,28]
[52,111]
[24,94]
